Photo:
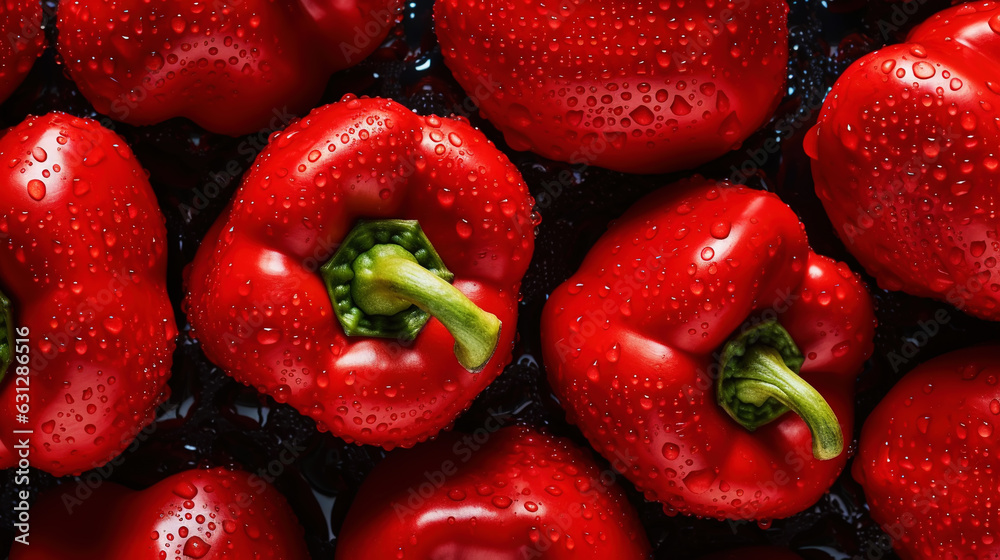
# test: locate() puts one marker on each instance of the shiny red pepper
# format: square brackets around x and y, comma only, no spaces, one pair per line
[21,41]
[83,262]
[905,160]
[639,86]
[509,494]
[232,66]
[425,229]
[927,458]
[690,331]
[212,514]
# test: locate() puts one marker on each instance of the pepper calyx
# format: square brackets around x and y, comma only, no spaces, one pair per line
[386,280]
[760,382]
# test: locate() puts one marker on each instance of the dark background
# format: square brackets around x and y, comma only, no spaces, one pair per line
[212,420]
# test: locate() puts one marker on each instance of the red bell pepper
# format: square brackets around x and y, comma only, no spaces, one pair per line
[83,262]
[212,514]
[232,66]
[695,324]
[640,87]
[425,228]
[905,160]
[23,40]
[928,455]
[513,493]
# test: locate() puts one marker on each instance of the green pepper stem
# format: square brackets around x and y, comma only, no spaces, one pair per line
[388,280]
[762,375]
[760,382]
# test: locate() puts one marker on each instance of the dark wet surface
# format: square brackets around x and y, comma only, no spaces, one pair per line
[212,420]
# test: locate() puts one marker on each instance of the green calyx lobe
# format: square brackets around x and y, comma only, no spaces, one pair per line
[386,280]
[6,335]
[760,381]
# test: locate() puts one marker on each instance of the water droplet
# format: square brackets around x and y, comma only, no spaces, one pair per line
[680,107]
[642,115]
[36,189]
[195,547]
[186,490]
[995,23]
[923,70]
[671,451]
[268,336]
[502,502]
[721,229]
[699,481]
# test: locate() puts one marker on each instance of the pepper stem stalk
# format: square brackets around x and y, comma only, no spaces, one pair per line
[386,280]
[760,382]
[389,280]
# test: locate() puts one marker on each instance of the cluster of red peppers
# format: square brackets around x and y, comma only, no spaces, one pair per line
[367,272]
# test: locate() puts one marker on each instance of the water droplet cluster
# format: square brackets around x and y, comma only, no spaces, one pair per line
[215,514]
[261,309]
[82,249]
[630,346]
[906,161]
[512,493]
[23,41]
[929,454]
[231,68]
[650,86]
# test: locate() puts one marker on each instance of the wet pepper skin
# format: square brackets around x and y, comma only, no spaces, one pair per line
[905,160]
[233,67]
[83,260]
[23,40]
[262,311]
[197,514]
[632,344]
[519,495]
[636,86]
[928,458]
